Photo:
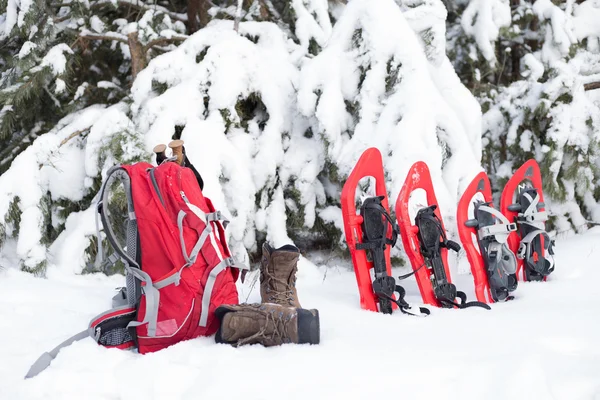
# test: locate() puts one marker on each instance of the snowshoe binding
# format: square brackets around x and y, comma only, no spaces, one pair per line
[493,264]
[426,244]
[523,202]
[370,235]
[375,225]
[432,237]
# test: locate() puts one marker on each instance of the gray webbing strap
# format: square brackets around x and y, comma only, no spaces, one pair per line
[532,216]
[173,279]
[210,283]
[45,359]
[191,258]
[152,301]
[499,231]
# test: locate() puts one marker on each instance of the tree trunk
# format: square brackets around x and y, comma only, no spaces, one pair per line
[192,13]
[138,57]
[515,53]
[203,13]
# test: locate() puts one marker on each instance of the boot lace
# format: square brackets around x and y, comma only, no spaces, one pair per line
[279,324]
[280,296]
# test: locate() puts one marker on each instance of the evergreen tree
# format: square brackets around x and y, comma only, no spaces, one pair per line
[69,111]
[544,111]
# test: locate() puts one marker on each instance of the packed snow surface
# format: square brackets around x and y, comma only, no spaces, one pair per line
[542,345]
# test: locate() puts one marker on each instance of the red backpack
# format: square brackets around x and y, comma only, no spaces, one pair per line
[179,268]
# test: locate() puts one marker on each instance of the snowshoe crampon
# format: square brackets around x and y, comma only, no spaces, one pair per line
[484,232]
[425,242]
[370,234]
[522,202]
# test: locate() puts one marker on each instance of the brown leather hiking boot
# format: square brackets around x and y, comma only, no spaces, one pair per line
[278,269]
[266,324]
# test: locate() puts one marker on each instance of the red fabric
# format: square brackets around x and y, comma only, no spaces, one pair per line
[161,254]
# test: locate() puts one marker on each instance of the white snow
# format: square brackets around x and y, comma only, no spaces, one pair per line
[11,17]
[55,58]
[559,29]
[97,24]
[482,20]
[585,19]
[26,49]
[60,86]
[542,345]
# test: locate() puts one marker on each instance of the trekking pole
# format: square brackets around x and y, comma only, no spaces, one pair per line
[187,163]
[159,149]
[177,148]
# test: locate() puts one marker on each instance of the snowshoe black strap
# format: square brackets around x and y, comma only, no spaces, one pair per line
[372,226]
[403,306]
[463,302]
[432,238]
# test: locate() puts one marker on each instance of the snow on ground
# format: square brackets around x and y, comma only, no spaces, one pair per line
[543,345]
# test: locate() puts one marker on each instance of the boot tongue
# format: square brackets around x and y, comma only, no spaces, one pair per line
[237,326]
[281,269]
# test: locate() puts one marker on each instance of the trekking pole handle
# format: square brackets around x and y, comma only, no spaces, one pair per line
[177,148]
[159,149]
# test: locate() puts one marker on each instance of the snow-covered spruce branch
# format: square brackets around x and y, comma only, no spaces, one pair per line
[138,5]
[163,41]
[114,36]
[127,39]
[73,135]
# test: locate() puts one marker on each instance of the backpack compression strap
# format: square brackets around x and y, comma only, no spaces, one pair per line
[446,292]
[534,218]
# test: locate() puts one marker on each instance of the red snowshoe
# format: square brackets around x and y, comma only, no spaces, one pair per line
[493,264]
[425,242]
[370,234]
[522,201]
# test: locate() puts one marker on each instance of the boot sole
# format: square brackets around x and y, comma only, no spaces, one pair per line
[309,326]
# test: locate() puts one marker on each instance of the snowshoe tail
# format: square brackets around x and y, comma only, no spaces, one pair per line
[493,264]
[522,202]
[425,242]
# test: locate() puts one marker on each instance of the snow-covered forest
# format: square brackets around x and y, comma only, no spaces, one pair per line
[277,99]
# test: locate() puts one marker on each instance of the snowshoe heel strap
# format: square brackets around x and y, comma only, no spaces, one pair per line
[463,302]
[385,285]
[382,289]
[542,265]
[445,291]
